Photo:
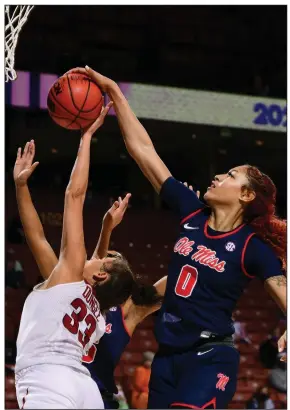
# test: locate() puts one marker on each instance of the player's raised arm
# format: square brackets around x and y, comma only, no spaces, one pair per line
[111,219]
[73,253]
[32,226]
[139,145]
[144,301]
[137,140]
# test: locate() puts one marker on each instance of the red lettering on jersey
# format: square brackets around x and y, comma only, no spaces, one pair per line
[108,328]
[222,382]
[220,267]
[183,246]
[92,301]
[206,256]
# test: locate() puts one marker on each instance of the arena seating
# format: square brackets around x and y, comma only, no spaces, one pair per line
[148,248]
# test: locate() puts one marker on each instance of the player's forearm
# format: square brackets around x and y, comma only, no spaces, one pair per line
[137,141]
[276,286]
[80,174]
[160,285]
[30,220]
[135,136]
[103,243]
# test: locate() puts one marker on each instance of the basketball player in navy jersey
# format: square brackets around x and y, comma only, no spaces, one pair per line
[221,246]
[121,322]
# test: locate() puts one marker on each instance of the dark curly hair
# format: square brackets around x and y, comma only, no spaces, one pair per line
[123,284]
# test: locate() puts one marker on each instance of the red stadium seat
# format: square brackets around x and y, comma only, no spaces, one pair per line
[118,372]
[143,333]
[128,370]
[11,404]
[237,405]
[148,344]
[132,357]
[10,330]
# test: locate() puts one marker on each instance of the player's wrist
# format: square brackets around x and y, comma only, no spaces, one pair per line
[20,184]
[107,227]
[114,91]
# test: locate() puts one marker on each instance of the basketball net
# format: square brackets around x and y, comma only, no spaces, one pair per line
[14,23]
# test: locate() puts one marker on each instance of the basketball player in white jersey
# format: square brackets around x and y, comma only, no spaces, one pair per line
[61,318]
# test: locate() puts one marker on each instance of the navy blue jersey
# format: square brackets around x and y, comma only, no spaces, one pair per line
[207,273]
[104,356]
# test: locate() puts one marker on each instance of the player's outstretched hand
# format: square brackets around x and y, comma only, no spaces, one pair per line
[23,167]
[115,214]
[191,188]
[282,344]
[103,82]
[99,121]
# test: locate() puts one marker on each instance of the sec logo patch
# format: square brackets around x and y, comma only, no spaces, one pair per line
[230,246]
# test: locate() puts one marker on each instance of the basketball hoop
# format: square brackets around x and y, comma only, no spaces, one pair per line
[14,23]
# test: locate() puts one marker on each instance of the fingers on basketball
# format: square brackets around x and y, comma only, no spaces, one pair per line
[100,120]
[77,70]
[106,109]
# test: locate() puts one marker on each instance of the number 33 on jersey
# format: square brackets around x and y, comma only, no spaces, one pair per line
[84,319]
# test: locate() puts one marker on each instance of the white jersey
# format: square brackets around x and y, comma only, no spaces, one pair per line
[58,326]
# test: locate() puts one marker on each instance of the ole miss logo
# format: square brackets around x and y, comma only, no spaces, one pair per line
[108,328]
[204,256]
[222,382]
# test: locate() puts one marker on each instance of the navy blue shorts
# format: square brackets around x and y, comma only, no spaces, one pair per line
[197,379]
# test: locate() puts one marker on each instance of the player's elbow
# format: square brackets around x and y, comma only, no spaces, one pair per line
[75,192]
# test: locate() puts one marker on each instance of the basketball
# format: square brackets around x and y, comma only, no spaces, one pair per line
[74,101]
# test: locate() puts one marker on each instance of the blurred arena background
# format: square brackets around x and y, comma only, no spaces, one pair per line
[209,85]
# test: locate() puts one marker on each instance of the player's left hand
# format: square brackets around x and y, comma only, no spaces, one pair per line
[191,188]
[282,344]
[99,121]
[115,214]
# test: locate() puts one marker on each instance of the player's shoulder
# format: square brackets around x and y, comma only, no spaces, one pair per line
[201,214]
[112,313]
[258,250]
[257,245]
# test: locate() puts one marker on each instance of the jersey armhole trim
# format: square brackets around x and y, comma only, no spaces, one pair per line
[243,256]
[124,323]
[191,215]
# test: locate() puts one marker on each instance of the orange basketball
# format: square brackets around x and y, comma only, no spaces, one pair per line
[74,101]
